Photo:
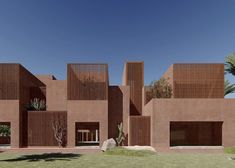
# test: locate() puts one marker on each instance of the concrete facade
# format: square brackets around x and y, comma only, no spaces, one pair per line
[86,97]
[163,111]
[87,111]
[9,112]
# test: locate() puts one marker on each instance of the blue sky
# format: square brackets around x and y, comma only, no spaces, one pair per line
[45,35]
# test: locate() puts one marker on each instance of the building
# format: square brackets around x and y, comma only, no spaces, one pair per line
[89,109]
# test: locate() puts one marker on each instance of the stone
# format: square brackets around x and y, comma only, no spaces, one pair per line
[108,144]
[136,147]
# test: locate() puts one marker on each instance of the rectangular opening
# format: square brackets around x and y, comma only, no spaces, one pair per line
[196,133]
[87,134]
[5,133]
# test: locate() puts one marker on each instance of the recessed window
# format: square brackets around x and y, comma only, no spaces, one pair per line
[5,133]
[87,134]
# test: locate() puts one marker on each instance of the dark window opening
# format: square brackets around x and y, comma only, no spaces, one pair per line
[196,133]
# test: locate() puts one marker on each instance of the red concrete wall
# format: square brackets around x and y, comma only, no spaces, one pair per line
[163,111]
[56,93]
[133,76]
[87,111]
[9,112]
[118,110]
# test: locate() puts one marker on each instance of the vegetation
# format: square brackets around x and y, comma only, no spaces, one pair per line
[5,130]
[105,160]
[229,150]
[159,89]
[230,64]
[121,135]
[228,88]
[126,152]
[229,69]
[37,104]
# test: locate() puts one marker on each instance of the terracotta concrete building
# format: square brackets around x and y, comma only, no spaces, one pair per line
[88,109]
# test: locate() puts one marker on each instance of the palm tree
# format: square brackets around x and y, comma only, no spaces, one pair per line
[228,87]
[230,64]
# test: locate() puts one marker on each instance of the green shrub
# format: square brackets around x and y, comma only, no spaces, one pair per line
[5,130]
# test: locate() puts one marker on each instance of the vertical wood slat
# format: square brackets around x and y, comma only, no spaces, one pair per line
[40,127]
[9,81]
[198,80]
[139,130]
[135,79]
[87,81]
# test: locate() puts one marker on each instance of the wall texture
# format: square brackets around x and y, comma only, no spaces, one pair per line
[197,80]
[56,93]
[40,127]
[9,81]
[118,110]
[163,111]
[139,130]
[9,112]
[87,81]
[27,81]
[87,111]
[133,76]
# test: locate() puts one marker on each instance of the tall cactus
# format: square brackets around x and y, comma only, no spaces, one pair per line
[121,135]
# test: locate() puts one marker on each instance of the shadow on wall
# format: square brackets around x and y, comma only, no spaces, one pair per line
[44,157]
[115,108]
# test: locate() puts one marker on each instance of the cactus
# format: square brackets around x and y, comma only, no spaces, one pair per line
[37,104]
[121,135]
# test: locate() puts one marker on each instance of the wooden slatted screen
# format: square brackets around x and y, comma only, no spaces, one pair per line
[87,81]
[198,80]
[134,77]
[40,130]
[139,130]
[9,81]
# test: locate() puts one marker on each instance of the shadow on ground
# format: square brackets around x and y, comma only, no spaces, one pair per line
[44,157]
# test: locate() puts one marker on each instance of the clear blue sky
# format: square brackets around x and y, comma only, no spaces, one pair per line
[45,35]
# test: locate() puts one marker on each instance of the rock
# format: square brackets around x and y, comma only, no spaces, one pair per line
[108,144]
[136,147]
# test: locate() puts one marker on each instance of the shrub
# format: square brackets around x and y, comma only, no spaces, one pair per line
[159,89]
[5,130]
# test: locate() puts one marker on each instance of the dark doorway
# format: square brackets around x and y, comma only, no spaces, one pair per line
[196,133]
[5,133]
[87,134]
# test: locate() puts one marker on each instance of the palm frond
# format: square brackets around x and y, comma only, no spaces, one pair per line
[228,88]
[230,64]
